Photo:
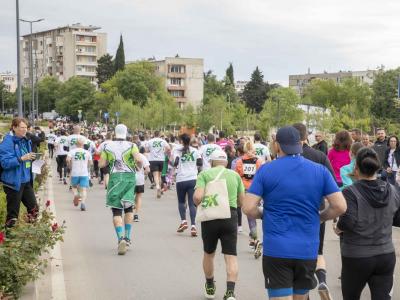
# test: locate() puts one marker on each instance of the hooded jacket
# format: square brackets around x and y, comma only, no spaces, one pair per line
[372,210]
[10,160]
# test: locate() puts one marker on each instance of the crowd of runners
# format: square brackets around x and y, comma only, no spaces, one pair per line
[294,187]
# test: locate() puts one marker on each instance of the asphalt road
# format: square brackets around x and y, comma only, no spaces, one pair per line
[161,263]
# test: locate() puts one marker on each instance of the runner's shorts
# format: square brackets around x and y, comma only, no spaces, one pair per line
[224,230]
[82,181]
[139,189]
[156,166]
[106,170]
[285,276]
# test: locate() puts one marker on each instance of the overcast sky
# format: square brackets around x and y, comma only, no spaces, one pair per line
[281,37]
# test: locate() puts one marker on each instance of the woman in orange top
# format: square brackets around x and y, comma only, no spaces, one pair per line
[247,167]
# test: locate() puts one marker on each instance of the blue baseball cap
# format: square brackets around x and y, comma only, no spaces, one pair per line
[288,138]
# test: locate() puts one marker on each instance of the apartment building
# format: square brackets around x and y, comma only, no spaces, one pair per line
[299,82]
[184,79]
[9,80]
[64,52]
[240,85]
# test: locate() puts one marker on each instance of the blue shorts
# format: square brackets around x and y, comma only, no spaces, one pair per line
[82,181]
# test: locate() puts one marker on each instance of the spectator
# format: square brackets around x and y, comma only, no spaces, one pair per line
[366,141]
[368,254]
[356,135]
[321,145]
[380,145]
[16,158]
[347,171]
[339,155]
[391,162]
[37,136]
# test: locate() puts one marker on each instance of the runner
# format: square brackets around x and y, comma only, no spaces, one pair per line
[61,156]
[79,160]
[246,167]
[51,138]
[105,171]
[207,150]
[187,160]
[139,189]
[73,138]
[224,230]
[262,151]
[157,147]
[123,158]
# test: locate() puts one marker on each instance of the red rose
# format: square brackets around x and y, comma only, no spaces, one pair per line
[47,203]
[54,227]
[2,238]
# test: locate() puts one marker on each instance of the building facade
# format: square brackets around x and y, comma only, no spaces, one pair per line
[64,52]
[240,85]
[184,79]
[299,82]
[9,80]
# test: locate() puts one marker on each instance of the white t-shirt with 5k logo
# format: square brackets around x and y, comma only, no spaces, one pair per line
[187,167]
[79,162]
[156,147]
[206,151]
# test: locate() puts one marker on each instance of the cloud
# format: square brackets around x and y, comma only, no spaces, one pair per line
[281,37]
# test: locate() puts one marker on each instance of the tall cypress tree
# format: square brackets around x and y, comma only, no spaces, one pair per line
[229,75]
[255,91]
[120,56]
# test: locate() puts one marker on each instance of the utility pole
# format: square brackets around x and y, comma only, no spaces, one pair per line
[31,66]
[19,87]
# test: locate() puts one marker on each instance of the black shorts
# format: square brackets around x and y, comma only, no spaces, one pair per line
[321,238]
[286,273]
[139,189]
[156,166]
[105,170]
[224,230]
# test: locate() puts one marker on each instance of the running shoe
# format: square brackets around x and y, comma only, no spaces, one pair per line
[240,229]
[76,200]
[257,249]
[83,207]
[152,186]
[252,244]
[193,231]
[229,295]
[65,182]
[158,193]
[136,218]
[323,291]
[70,187]
[60,179]
[209,292]
[182,227]
[90,183]
[128,243]
[122,247]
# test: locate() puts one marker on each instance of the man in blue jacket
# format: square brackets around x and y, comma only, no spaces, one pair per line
[16,161]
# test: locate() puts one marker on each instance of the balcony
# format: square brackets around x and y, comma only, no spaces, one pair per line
[87,63]
[85,73]
[176,87]
[176,75]
[85,53]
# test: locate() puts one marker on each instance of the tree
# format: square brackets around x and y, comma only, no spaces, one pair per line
[105,68]
[385,108]
[119,62]
[76,93]
[214,88]
[137,82]
[49,88]
[281,108]
[256,91]
[230,80]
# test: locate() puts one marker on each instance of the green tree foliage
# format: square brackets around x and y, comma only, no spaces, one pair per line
[230,79]
[385,106]
[76,93]
[137,82]
[105,68]
[49,91]
[280,109]
[256,91]
[215,88]
[119,62]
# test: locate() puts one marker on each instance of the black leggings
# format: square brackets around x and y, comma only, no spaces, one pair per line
[51,150]
[61,165]
[184,188]
[376,271]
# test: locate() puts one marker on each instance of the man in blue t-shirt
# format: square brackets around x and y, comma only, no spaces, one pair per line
[292,188]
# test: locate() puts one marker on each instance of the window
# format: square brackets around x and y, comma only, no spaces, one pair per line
[177,69]
[176,81]
[177,94]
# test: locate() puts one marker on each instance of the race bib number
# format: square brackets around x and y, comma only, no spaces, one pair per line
[249,169]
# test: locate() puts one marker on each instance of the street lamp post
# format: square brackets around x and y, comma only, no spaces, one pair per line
[19,88]
[31,65]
